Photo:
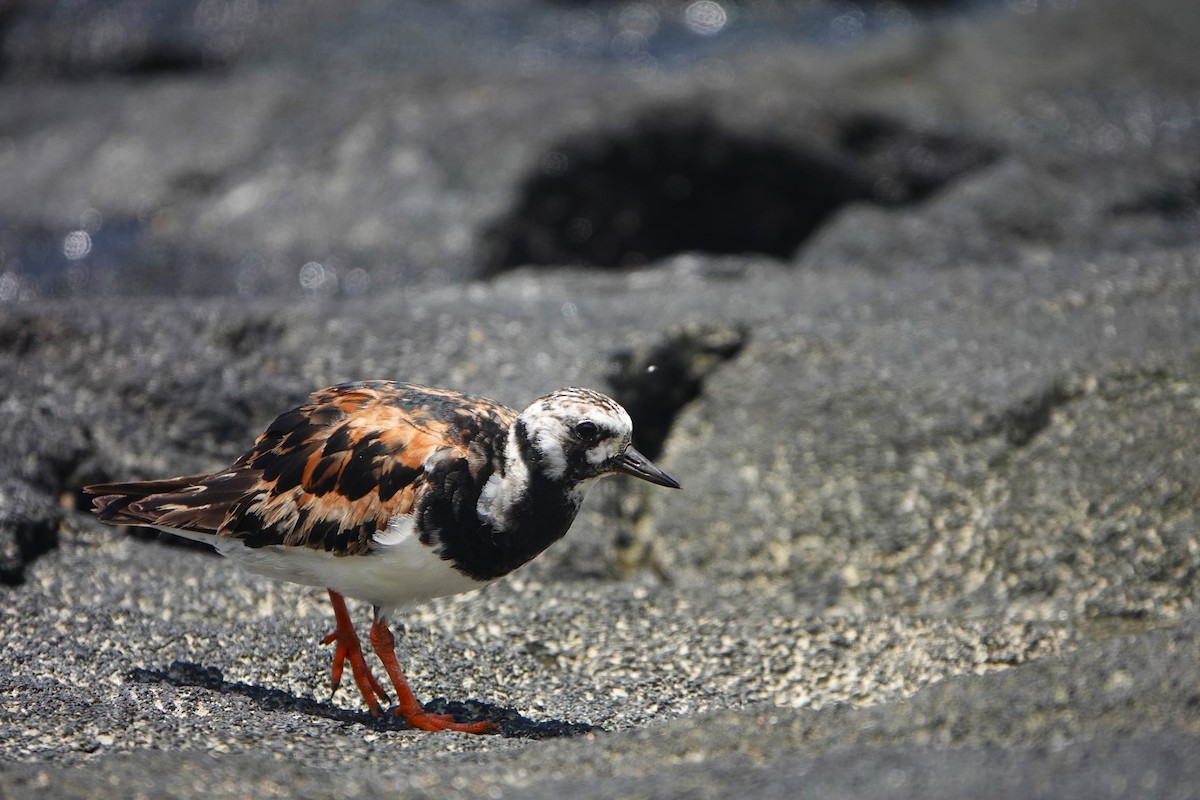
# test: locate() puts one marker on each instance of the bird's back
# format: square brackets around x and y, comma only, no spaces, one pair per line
[330,474]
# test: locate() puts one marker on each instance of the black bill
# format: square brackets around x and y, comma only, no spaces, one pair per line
[631,462]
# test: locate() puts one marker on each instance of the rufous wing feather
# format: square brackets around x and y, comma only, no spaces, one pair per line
[327,475]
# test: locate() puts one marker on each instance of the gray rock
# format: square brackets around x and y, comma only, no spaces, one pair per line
[28,528]
[1025,209]
[293,178]
[168,646]
[989,440]
[937,532]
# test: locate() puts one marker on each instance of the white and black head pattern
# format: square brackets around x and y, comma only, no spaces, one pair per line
[574,435]
[558,446]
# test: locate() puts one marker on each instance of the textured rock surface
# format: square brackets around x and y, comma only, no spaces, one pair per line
[938,534]
[989,439]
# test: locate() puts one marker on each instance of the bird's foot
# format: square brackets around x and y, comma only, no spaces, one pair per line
[425,721]
[409,708]
[347,648]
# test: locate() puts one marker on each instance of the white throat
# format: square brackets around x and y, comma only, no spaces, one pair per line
[501,493]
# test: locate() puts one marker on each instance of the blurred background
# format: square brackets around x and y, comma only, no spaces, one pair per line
[868,252]
[905,294]
[260,147]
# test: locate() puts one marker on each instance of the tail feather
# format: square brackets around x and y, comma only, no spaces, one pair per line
[145,488]
[192,502]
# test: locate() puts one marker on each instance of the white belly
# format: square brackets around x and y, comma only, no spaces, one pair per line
[399,571]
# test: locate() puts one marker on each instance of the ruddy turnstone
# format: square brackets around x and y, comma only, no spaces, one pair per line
[394,493]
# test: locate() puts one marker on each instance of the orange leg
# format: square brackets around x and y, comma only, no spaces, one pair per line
[409,708]
[348,647]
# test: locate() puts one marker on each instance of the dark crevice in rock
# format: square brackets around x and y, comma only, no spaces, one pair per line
[36,491]
[675,182]
[655,382]
[166,60]
[196,182]
[1021,423]
[82,39]
[248,335]
[665,186]
[70,473]
[29,521]
[31,513]
[1172,199]
[905,164]
[23,332]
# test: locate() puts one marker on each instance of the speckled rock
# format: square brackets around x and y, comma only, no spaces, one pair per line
[1017,440]
[937,532]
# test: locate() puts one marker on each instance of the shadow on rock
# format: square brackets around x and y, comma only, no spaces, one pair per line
[509,722]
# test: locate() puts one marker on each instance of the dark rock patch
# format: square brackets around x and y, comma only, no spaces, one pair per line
[1020,423]
[654,382]
[29,521]
[665,186]
[676,182]
[907,164]
[137,38]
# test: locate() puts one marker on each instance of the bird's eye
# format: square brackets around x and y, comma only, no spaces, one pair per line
[587,431]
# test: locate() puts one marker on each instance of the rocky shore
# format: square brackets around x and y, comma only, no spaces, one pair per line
[913,317]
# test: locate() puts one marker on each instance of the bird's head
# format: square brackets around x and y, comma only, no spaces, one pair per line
[572,436]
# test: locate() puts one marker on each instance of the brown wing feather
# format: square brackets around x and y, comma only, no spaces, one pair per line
[327,475]
[148,502]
